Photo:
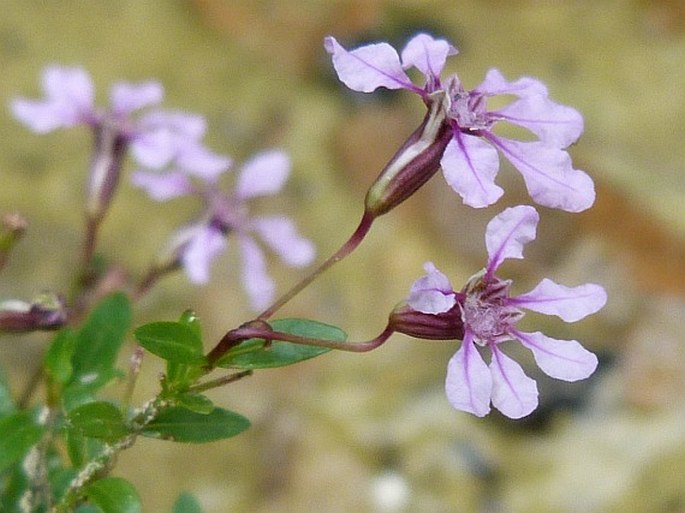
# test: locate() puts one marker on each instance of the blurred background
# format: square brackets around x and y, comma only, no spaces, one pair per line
[374,432]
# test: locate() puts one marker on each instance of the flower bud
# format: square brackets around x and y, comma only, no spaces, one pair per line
[46,312]
[442,326]
[110,147]
[415,162]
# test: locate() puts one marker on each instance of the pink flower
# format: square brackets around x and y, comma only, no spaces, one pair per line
[470,161]
[155,137]
[198,244]
[489,315]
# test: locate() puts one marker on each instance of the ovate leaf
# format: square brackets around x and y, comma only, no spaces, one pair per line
[58,358]
[172,341]
[256,354]
[113,495]
[99,419]
[179,424]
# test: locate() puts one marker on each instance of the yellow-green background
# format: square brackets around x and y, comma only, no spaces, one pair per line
[327,432]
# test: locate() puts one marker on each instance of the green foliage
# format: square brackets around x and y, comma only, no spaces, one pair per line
[96,348]
[58,365]
[186,503]
[18,433]
[113,495]
[258,354]
[173,341]
[99,419]
[6,402]
[180,424]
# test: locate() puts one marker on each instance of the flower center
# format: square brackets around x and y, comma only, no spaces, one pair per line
[468,109]
[485,309]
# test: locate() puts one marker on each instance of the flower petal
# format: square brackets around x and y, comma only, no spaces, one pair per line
[469,383]
[569,303]
[264,174]
[556,125]
[560,359]
[126,98]
[69,101]
[162,186]
[204,245]
[281,235]
[432,293]
[550,178]
[199,161]
[495,84]
[154,149]
[256,281]
[470,166]
[428,55]
[508,232]
[368,67]
[513,393]
[183,124]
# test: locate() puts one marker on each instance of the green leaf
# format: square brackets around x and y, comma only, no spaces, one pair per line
[172,341]
[58,358]
[99,340]
[179,424]
[6,401]
[99,419]
[113,495]
[186,503]
[190,319]
[196,402]
[18,433]
[252,354]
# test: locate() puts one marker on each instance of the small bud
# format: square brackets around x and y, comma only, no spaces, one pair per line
[415,162]
[46,312]
[105,169]
[443,326]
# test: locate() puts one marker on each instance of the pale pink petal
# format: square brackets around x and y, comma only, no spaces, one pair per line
[197,160]
[569,303]
[69,99]
[162,186]
[495,84]
[368,67]
[432,293]
[281,235]
[469,383]
[470,166]
[556,125]
[508,232]
[126,98]
[264,174]
[154,149]
[513,393]
[256,281]
[560,359]
[204,245]
[183,124]
[550,178]
[40,117]
[428,55]
[71,87]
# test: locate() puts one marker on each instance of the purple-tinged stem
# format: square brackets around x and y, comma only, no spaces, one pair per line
[347,248]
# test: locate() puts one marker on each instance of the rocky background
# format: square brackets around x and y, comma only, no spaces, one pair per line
[374,432]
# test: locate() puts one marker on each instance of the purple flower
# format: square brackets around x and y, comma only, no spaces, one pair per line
[489,315]
[197,245]
[155,137]
[470,161]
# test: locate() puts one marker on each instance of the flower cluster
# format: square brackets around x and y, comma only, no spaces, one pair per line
[488,317]
[173,161]
[470,162]
[196,245]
